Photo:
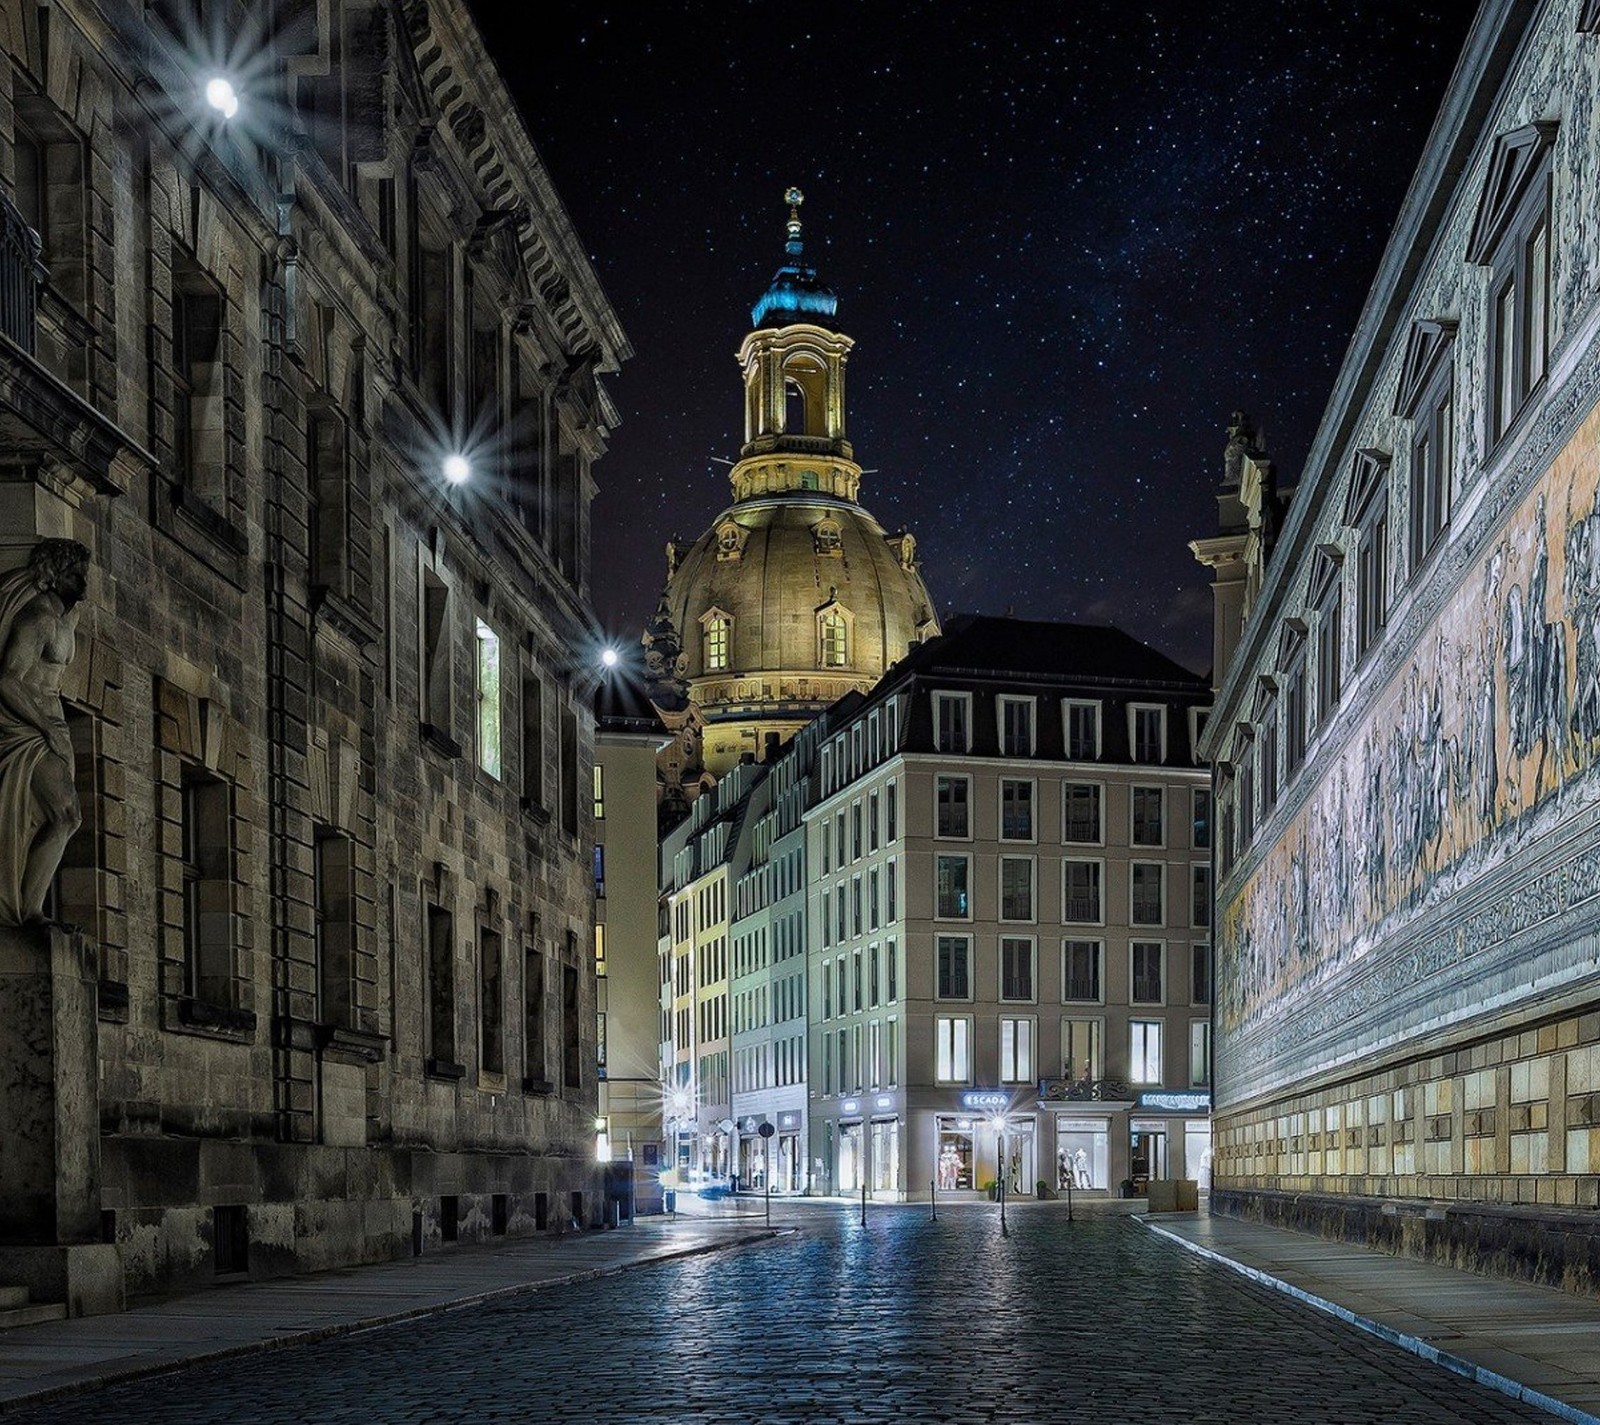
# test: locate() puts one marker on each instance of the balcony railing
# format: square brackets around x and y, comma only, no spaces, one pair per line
[21,276]
[1084,1090]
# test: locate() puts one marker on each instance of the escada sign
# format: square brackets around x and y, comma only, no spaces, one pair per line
[979,1098]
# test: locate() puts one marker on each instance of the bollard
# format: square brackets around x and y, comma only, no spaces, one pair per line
[933,1200]
[863,1198]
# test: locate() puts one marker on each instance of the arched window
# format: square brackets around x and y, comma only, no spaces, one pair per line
[835,633]
[718,639]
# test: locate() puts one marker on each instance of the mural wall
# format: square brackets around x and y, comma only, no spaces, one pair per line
[1486,737]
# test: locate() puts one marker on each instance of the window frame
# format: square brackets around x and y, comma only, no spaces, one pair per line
[1160,843]
[1022,1027]
[958,1073]
[1154,1029]
[965,858]
[1003,703]
[1093,706]
[942,699]
[1032,917]
[939,779]
[1032,944]
[1032,784]
[1160,709]
[1160,868]
[939,979]
[1135,999]
[1099,789]
[1099,865]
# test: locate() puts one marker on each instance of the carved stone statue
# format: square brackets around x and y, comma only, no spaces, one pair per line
[38,798]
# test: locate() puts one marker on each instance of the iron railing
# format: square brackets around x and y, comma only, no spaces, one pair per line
[21,276]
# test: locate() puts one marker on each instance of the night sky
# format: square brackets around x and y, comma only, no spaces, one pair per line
[1068,236]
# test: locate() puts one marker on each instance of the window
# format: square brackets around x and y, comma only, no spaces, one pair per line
[1267,744]
[569,771]
[1200,974]
[328,484]
[892,970]
[1149,728]
[207,887]
[1432,463]
[1081,1056]
[1016,1051]
[952,721]
[872,900]
[891,909]
[1330,630]
[855,831]
[952,1060]
[1083,731]
[199,423]
[489,700]
[855,979]
[533,1031]
[441,989]
[598,863]
[1016,726]
[436,677]
[833,639]
[1294,710]
[1146,824]
[571,1055]
[1080,902]
[954,969]
[334,912]
[1146,961]
[718,637]
[1081,818]
[1144,1051]
[951,888]
[855,905]
[1200,896]
[1016,967]
[600,950]
[599,792]
[1200,835]
[1368,514]
[1511,236]
[1080,969]
[872,822]
[1016,888]
[951,796]
[1199,1053]
[892,829]
[1016,810]
[533,742]
[491,1003]
[1147,880]
[874,984]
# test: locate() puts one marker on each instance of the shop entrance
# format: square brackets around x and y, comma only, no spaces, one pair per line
[1020,1158]
[851,1167]
[1148,1156]
[788,1168]
[885,1155]
[1197,1154]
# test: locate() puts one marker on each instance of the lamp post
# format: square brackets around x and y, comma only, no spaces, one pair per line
[999,1122]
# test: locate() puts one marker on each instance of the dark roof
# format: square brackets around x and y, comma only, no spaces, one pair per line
[983,645]
[620,702]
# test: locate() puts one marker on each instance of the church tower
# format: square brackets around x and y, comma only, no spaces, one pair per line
[795,596]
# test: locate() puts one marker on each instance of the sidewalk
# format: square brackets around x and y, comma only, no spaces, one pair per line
[1532,1343]
[60,1357]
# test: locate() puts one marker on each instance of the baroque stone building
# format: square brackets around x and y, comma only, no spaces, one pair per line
[795,595]
[307,361]
[1407,739]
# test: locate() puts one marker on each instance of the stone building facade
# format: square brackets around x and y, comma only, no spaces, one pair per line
[333,735]
[1407,740]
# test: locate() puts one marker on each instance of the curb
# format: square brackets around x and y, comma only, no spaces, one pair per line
[1457,1365]
[312,1334]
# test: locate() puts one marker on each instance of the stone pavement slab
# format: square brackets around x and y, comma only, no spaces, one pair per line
[1533,1343]
[58,1357]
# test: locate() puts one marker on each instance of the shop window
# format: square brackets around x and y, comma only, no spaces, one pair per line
[1016,726]
[208,887]
[1080,969]
[1016,1051]
[1149,729]
[1146,816]
[491,1002]
[1016,967]
[952,1038]
[1016,888]
[955,1161]
[1146,959]
[1082,1153]
[1081,902]
[954,969]
[1083,731]
[1016,809]
[333,885]
[1147,880]
[1144,1051]
[441,989]
[951,888]
[1511,237]
[488,699]
[1082,820]
[951,800]
[952,721]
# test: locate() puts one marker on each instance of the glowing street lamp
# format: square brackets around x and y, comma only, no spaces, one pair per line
[222,96]
[609,658]
[457,469]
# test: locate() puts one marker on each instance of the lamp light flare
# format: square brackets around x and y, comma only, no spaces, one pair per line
[608,658]
[456,469]
[222,96]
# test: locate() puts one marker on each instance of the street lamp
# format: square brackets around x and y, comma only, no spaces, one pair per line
[999,1122]
[609,657]
[457,469]
[222,96]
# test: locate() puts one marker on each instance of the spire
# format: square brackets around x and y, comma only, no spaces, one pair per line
[795,293]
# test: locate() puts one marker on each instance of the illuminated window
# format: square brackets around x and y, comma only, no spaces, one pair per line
[488,700]
[1144,1051]
[1016,1051]
[600,950]
[718,636]
[952,1050]
[599,792]
[835,640]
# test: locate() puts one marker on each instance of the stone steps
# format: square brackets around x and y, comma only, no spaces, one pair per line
[17,1310]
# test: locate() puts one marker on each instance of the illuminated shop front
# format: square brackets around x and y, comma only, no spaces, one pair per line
[1083,1154]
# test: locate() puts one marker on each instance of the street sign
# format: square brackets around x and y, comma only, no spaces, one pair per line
[766,1130]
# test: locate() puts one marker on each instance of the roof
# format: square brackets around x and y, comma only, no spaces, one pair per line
[984,645]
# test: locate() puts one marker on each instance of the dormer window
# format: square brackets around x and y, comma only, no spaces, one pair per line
[827,538]
[730,540]
[717,639]
[833,636]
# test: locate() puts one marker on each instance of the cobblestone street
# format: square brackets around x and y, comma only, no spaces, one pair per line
[908,1320]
